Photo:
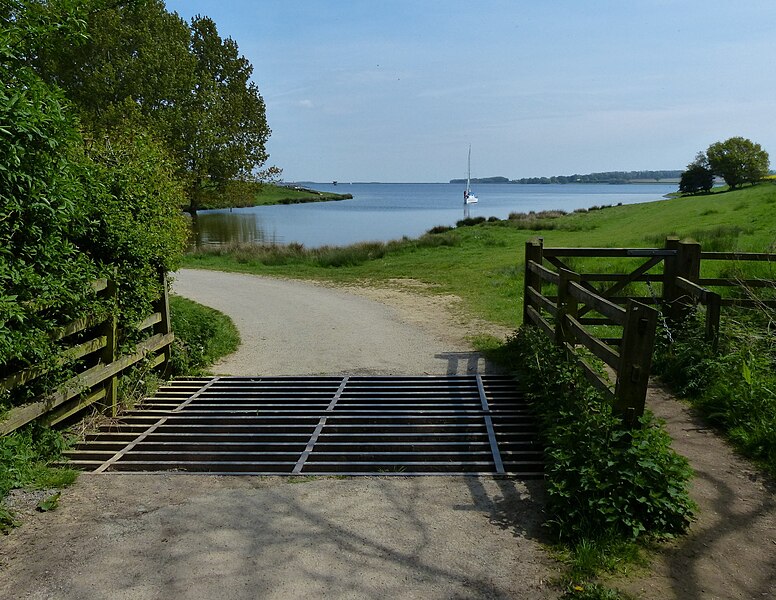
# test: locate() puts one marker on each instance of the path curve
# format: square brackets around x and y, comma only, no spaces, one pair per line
[300,328]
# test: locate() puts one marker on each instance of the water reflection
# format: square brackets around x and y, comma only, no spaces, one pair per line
[390,211]
[213,228]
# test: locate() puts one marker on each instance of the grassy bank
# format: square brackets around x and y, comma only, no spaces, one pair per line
[242,194]
[278,194]
[483,263]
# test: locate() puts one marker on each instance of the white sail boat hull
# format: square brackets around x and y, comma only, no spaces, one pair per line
[468,197]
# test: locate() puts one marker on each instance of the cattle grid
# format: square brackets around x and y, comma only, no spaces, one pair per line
[376,425]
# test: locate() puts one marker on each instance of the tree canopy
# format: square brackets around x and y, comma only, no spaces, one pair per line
[698,177]
[738,160]
[141,66]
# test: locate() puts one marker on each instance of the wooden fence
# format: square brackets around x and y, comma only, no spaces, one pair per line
[97,359]
[584,303]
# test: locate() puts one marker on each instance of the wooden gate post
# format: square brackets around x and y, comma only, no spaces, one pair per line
[635,361]
[533,252]
[567,305]
[686,263]
[108,354]
[162,306]
[713,304]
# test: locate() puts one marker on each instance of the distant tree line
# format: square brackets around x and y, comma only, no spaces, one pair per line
[605,177]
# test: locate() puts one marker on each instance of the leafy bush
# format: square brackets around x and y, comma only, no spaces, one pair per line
[133,206]
[44,279]
[470,221]
[439,229]
[603,480]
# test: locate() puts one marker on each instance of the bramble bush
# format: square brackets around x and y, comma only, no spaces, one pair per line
[604,481]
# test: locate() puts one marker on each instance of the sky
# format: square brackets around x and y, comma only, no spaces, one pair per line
[397,90]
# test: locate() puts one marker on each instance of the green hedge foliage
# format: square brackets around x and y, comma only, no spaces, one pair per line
[72,211]
[603,480]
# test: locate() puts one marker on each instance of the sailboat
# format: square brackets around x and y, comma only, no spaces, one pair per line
[468,197]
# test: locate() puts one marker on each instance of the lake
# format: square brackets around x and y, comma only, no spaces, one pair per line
[386,211]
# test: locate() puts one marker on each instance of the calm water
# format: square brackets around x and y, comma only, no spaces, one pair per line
[386,211]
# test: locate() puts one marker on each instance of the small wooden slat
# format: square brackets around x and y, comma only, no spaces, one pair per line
[752,283]
[592,343]
[598,321]
[743,256]
[149,321]
[543,272]
[597,303]
[608,252]
[542,301]
[58,416]
[595,379]
[539,321]
[76,326]
[693,289]
[33,373]
[603,277]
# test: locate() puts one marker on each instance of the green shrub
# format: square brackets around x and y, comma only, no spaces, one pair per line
[603,480]
[439,229]
[470,221]
[136,227]
[44,279]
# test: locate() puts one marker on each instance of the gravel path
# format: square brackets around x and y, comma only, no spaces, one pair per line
[299,328]
[168,536]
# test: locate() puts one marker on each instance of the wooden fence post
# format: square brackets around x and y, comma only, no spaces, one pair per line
[162,306]
[108,354]
[533,251]
[713,304]
[567,305]
[635,361]
[687,264]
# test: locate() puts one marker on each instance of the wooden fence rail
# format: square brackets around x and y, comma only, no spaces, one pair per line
[98,357]
[592,300]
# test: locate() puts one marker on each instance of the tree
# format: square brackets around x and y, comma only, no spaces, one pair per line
[224,132]
[698,176]
[144,67]
[738,160]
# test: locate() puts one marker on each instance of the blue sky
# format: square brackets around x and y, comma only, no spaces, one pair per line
[396,90]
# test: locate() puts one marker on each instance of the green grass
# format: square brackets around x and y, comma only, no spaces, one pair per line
[277,194]
[483,263]
[26,458]
[202,336]
[240,194]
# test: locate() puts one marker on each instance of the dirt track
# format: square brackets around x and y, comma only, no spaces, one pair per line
[138,537]
[177,536]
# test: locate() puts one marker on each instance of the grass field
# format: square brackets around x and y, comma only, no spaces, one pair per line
[278,194]
[483,264]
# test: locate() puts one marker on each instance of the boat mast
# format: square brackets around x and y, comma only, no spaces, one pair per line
[469,172]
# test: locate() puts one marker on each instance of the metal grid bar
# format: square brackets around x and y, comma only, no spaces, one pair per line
[324,425]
